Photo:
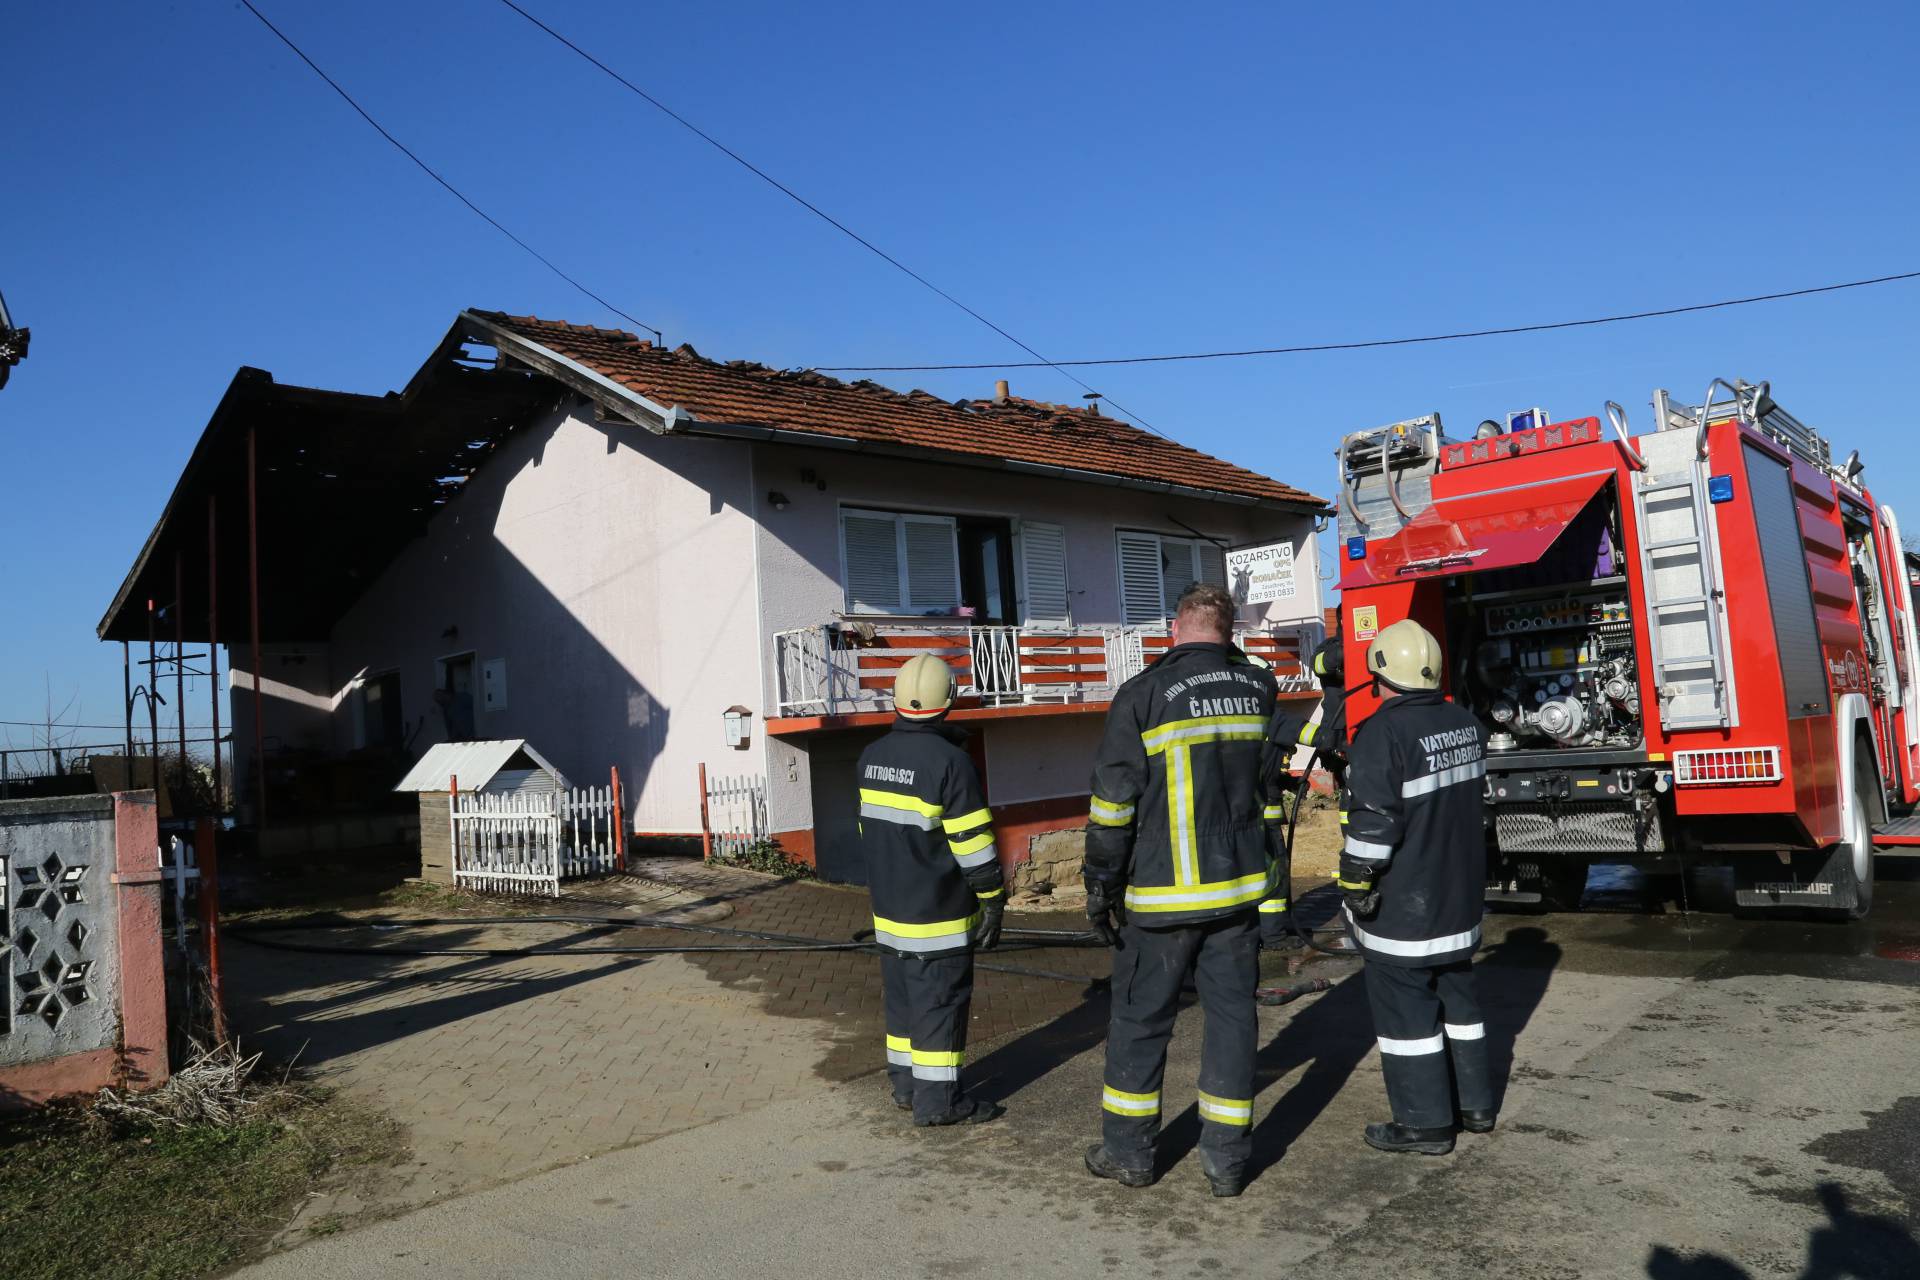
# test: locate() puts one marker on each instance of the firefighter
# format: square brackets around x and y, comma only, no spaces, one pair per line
[1414,872]
[938,893]
[1179,856]
[1324,728]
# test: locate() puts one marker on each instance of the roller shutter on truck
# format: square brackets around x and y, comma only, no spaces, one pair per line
[1783,556]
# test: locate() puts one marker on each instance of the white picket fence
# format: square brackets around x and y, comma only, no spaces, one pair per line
[530,843]
[733,814]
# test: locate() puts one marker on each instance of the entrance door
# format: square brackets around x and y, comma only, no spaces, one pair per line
[832,759]
[986,569]
[454,695]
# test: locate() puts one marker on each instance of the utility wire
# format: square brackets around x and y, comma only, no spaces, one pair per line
[1377,342]
[432,173]
[1038,362]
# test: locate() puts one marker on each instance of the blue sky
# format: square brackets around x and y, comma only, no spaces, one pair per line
[179,197]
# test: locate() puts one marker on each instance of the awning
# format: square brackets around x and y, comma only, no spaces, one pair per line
[1482,530]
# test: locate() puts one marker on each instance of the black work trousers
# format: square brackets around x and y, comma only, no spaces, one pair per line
[926,1010]
[1149,968]
[1433,1041]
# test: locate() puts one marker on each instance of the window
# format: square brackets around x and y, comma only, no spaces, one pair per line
[900,563]
[1155,569]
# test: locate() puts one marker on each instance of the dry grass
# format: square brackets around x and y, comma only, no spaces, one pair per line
[217,1087]
[181,1182]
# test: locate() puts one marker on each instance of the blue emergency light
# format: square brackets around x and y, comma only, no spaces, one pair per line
[1356,548]
[1720,488]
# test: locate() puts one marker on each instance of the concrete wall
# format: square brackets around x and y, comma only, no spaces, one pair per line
[612,570]
[83,983]
[800,580]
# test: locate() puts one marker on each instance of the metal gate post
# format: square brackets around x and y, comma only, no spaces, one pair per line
[209,860]
[619,821]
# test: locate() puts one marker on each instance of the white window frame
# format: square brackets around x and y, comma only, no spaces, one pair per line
[909,606]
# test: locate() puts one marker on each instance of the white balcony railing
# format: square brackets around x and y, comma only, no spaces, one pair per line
[845,668]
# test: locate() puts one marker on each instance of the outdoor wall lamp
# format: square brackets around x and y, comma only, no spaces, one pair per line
[777,500]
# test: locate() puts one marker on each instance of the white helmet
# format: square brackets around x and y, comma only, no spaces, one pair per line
[923,690]
[1406,656]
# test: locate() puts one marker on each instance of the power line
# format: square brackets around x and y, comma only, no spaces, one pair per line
[1377,342]
[432,173]
[1038,362]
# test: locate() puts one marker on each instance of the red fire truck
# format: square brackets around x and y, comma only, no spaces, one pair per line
[1691,646]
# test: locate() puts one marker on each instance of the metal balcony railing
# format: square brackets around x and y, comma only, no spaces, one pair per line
[844,668]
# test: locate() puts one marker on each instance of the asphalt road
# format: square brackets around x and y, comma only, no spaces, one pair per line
[1688,1096]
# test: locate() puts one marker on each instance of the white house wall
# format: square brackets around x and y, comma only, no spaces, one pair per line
[799,554]
[612,570]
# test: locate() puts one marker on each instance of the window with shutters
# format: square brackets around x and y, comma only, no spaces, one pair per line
[1155,569]
[899,562]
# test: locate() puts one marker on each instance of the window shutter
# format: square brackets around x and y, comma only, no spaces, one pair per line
[1213,564]
[1141,599]
[933,562]
[870,544]
[1043,574]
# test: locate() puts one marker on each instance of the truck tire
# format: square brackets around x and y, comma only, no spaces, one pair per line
[1853,858]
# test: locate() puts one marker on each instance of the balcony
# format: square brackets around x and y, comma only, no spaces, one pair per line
[841,673]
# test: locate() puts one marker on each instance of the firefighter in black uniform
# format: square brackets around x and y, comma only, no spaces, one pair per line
[938,893]
[1179,854]
[1414,871]
[1327,733]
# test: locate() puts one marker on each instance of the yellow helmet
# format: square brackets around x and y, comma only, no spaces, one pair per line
[1406,656]
[924,688]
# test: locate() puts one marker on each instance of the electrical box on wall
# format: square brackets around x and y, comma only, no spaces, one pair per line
[737,727]
[493,684]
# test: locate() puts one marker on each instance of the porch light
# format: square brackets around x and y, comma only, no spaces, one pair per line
[777,500]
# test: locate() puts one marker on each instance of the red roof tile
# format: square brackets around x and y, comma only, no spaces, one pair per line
[742,392]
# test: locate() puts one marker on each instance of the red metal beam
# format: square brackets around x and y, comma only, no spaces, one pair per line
[253,608]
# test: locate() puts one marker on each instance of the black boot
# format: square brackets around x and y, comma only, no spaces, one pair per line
[1225,1183]
[904,1102]
[1396,1137]
[1477,1121]
[968,1111]
[1102,1165]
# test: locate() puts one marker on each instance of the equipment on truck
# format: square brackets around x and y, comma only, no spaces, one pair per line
[13,343]
[1697,643]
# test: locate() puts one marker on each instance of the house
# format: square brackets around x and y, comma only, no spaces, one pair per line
[646,559]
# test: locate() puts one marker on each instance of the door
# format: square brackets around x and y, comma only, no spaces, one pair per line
[986,570]
[831,760]
[453,694]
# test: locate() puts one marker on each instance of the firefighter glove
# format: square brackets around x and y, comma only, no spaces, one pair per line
[1362,899]
[986,933]
[1106,911]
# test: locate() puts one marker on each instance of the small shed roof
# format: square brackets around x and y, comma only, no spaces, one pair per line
[474,764]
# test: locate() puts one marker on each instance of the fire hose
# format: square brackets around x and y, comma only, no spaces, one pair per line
[260,935]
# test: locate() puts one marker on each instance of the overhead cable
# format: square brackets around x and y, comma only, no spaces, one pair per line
[1038,362]
[1375,342]
[431,172]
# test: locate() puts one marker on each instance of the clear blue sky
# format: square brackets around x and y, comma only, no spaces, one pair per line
[179,197]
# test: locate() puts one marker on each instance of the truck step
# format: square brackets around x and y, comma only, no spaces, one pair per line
[1899,838]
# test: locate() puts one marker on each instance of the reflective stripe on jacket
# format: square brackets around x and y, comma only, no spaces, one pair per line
[1414,818]
[1179,816]
[928,839]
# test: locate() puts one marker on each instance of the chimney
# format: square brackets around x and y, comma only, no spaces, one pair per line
[1000,391]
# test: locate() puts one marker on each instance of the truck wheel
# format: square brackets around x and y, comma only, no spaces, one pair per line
[1853,860]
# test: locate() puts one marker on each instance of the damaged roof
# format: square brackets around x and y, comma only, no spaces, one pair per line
[804,402]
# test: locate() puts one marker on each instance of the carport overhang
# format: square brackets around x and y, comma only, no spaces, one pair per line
[295,499]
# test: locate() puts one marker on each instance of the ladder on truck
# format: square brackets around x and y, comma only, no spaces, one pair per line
[1680,568]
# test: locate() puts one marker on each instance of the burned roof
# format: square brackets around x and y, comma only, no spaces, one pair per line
[805,402]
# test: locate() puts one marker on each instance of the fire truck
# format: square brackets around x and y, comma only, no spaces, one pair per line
[1691,646]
